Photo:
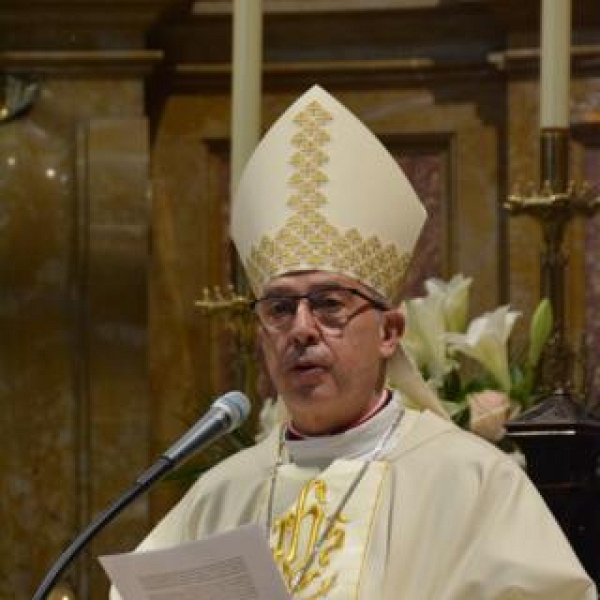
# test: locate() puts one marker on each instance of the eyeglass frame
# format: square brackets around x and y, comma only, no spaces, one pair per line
[371,303]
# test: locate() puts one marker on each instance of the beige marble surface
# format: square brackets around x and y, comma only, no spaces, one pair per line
[73,319]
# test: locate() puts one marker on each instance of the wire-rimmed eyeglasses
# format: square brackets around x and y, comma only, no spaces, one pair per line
[331,307]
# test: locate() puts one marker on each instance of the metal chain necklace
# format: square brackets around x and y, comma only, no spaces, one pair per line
[330,523]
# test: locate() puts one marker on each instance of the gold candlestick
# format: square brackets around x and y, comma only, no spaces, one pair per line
[228,303]
[233,311]
[554,205]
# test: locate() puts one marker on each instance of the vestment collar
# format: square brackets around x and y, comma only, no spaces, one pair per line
[358,443]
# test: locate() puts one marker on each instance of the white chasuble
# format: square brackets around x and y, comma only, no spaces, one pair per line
[442,515]
[319,560]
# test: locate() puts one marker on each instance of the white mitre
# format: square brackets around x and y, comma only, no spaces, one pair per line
[321,192]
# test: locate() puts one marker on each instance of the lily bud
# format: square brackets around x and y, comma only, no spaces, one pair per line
[540,329]
[455,299]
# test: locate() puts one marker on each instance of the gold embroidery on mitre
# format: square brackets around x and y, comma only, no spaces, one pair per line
[296,535]
[307,239]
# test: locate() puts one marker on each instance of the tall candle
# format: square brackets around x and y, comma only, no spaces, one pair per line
[246,84]
[555,64]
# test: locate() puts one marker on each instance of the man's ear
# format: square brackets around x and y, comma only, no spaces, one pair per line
[392,328]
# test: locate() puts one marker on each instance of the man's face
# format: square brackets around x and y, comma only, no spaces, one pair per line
[328,379]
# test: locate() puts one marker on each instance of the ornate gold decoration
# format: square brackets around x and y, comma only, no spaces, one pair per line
[554,205]
[297,534]
[307,239]
[233,310]
[227,302]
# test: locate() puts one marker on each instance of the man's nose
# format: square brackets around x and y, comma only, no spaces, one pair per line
[304,326]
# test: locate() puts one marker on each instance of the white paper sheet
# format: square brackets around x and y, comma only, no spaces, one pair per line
[236,565]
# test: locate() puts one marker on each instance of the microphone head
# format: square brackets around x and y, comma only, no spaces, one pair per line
[236,405]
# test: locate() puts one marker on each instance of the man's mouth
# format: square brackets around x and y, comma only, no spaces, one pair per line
[308,367]
[304,364]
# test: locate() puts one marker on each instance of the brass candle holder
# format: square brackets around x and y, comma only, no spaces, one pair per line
[554,205]
[232,310]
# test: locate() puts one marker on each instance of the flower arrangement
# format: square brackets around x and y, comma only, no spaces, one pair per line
[467,363]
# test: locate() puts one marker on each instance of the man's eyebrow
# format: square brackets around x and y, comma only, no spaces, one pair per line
[284,290]
[277,291]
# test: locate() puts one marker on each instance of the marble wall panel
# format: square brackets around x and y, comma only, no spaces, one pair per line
[428,173]
[591,243]
[189,229]
[585,103]
[579,245]
[118,411]
[37,422]
[64,455]
[592,287]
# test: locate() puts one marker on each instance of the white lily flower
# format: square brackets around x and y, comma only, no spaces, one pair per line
[424,336]
[486,342]
[455,299]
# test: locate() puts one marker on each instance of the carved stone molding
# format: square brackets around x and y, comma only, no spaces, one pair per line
[90,11]
[88,63]
[526,61]
[524,15]
[320,6]
[80,24]
[335,74]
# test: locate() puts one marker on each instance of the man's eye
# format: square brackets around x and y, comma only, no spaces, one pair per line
[330,302]
[281,307]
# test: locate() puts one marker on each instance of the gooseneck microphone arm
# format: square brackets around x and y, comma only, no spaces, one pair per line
[160,468]
[226,414]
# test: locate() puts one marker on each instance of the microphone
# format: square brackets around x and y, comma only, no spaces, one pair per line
[225,414]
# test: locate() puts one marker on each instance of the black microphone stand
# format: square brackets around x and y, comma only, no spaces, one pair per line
[142,483]
[225,415]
